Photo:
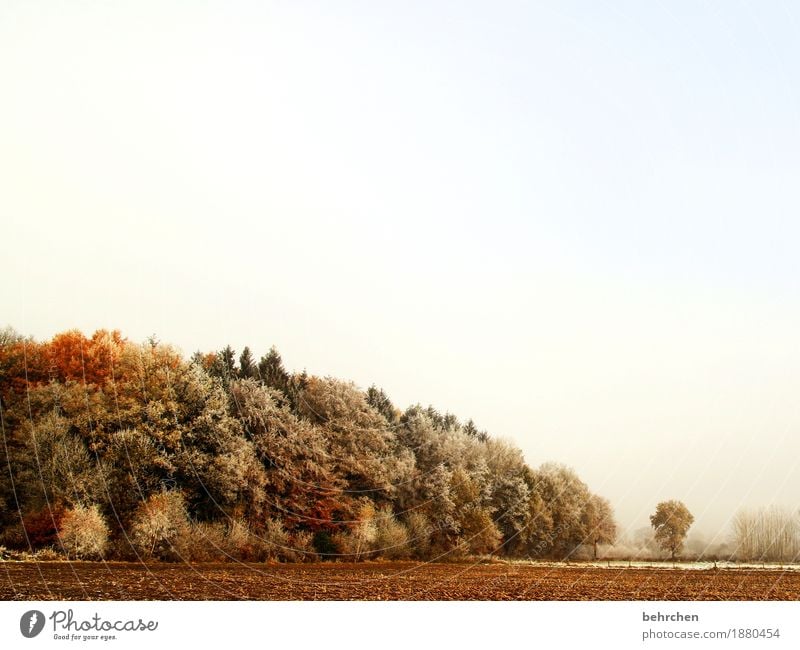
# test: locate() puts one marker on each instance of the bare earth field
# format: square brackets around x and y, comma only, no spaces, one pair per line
[385,581]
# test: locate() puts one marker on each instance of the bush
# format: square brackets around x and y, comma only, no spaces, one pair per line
[323,544]
[13,537]
[12,555]
[480,535]
[303,546]
[419,530]
[276,542]
[161,527]
[207,542]
[47,554]
[358,542]
[41,527]
[84,533]
[220,542]
[240,543]
[391,539]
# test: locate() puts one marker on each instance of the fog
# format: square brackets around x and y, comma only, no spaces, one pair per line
[575,224]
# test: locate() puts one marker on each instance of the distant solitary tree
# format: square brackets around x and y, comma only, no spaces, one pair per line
[671,522]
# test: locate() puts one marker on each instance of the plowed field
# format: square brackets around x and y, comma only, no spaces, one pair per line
[385,581]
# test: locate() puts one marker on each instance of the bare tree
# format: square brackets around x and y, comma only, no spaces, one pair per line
[768,534]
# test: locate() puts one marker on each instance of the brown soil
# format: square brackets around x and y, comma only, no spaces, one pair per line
[384,581]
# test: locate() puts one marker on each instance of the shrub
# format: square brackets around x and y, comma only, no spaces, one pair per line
[84,533]
[323,544]
[276,541]
[358,542]
[479,534]
[13,537]
[7,554]
[47,554]
[344,544]
[207,542]
[240,543]
[218,541]
[391,538]
[303,545]
[41,527]
[161,527]
[419,530]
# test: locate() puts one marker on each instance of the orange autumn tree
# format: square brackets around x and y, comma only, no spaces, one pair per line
[73,356]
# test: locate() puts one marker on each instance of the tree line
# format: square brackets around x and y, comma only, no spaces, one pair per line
[124,450]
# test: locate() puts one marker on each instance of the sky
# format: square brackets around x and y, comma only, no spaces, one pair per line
[575,222]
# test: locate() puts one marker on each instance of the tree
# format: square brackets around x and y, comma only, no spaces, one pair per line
[599,522]
[671,522]
[379,400]
[299,480]
[134,468]
[160,527]
[271,371]
[565,497]
[55,466]
[768,534]
[358,542]
[84,533]
[391,537]
[247,365]
[471,430]
[509,493]
[224,366]
[360,441]
[478,532]
[111,446]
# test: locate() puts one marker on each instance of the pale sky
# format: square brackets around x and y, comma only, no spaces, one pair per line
[575,222]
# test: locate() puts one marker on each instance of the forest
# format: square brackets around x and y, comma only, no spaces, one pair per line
[121,450]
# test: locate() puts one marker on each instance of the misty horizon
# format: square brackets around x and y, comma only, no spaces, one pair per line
[631,532]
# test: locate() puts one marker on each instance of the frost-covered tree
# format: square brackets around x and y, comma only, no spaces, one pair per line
[598,521]
[83,533]
[160,527]
[671,521]
[301,486]
[391,535]
[380,401]
[55,466]
[362,445]
[509,490]
[477,532]
[767,534]
[565,496]
[133,469]
[247,365]
[272,373]
[185,455]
